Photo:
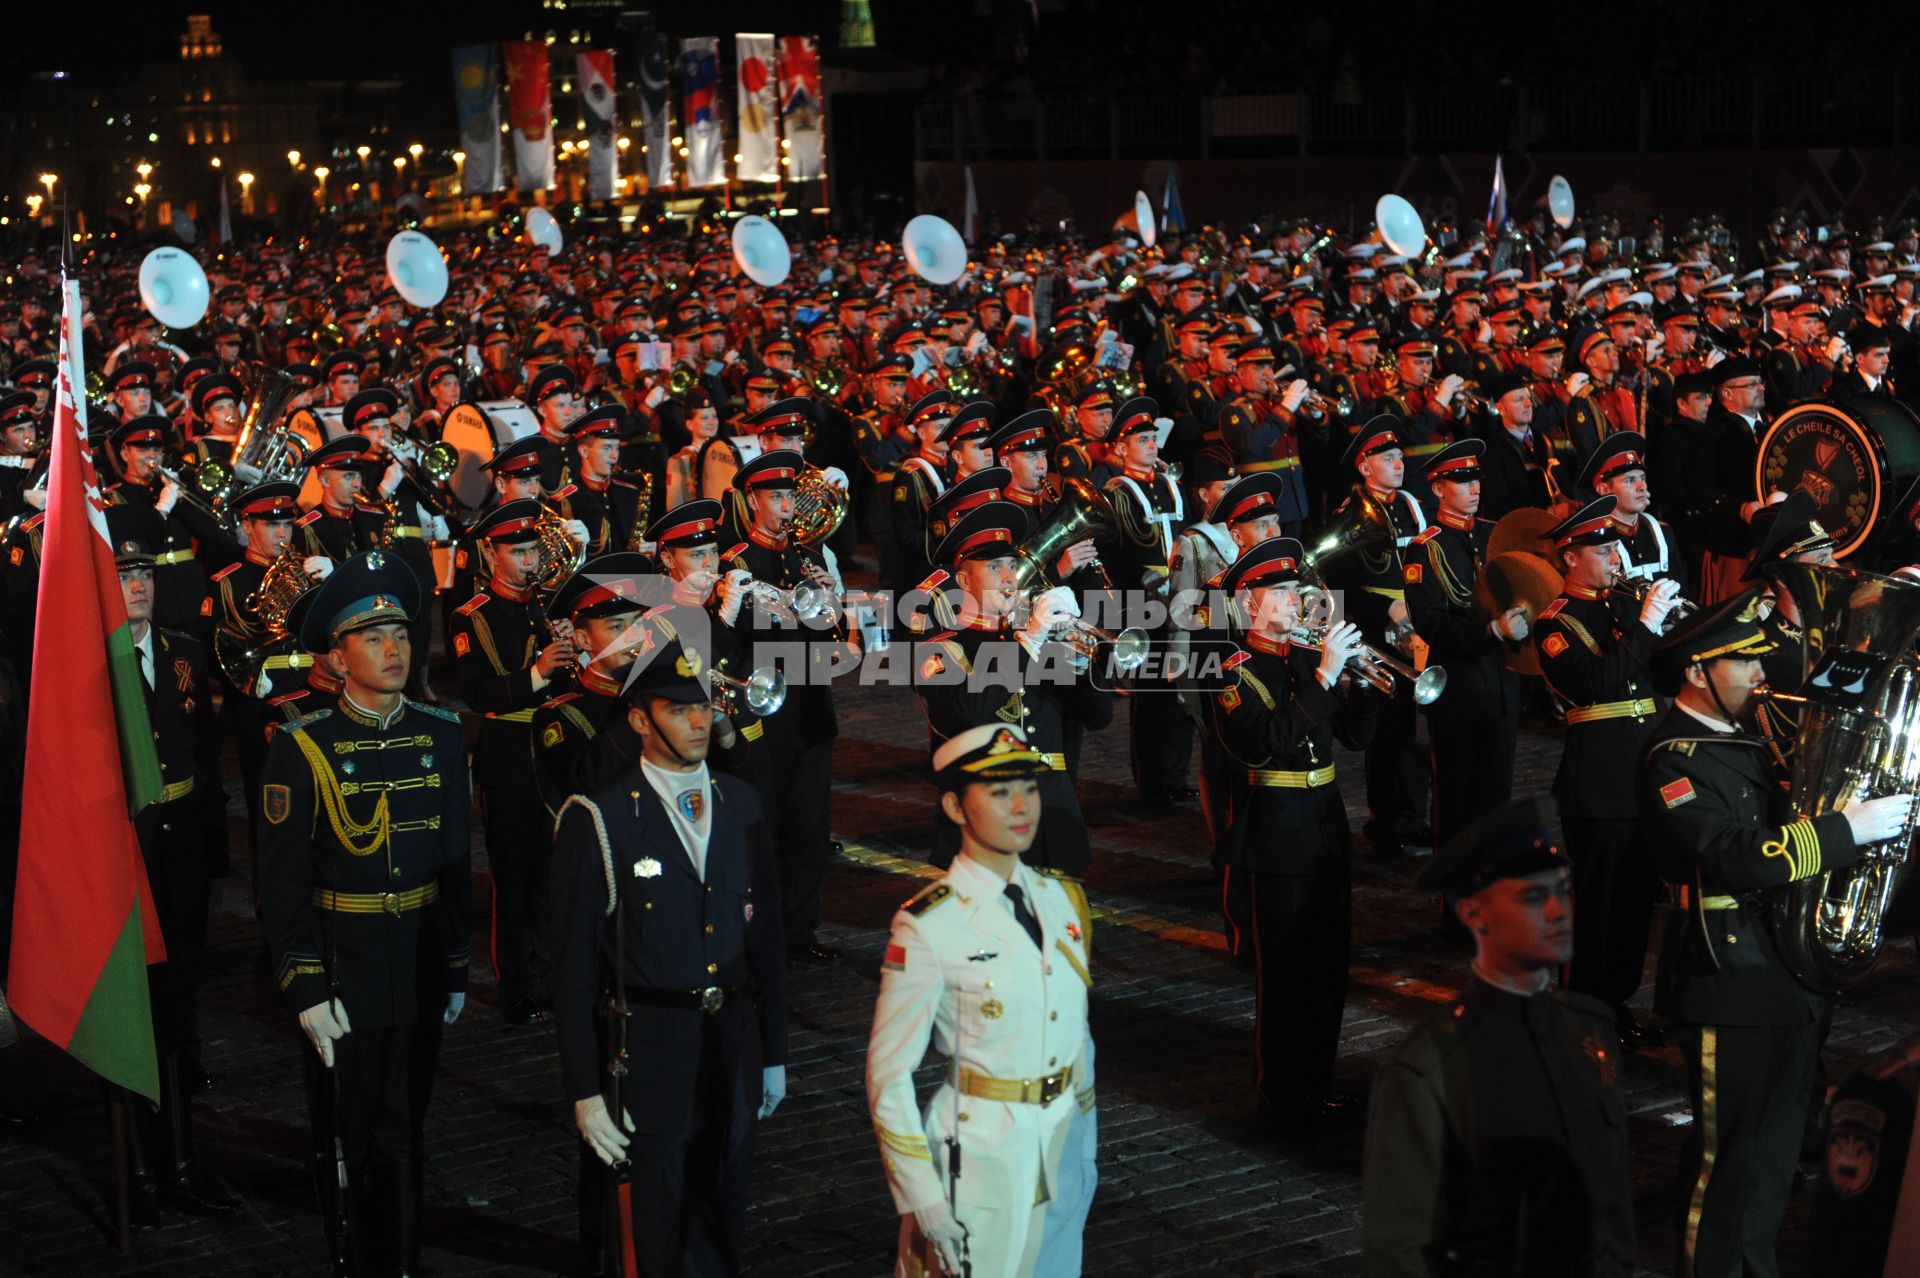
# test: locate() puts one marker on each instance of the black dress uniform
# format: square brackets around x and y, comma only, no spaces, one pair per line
[615,511]
[325,531]
[1289,838]
[181,600]
[1473,723]
[1646,547]
[1595,660]
[401,528]
[1497,1136]
[919,481]
[696,949]
[1262,435]
[1713,806]
[496,638]
[364,898]
[799,736]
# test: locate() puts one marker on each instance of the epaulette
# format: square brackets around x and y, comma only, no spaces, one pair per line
[1240,656]
[926,898]
[1213,582]
[556,702]
[735,552]
[472,605]
[306,719]
[113,487]
[622,483]
[1051,873]
[568,491]
[288,698]
[307,518]
[1552,610]
[934,580]
[941,637]
[438,712]
[35,522]
[226,572]
[1433,530]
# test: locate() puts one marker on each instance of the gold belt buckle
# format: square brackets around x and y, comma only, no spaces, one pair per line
[712,999]
[390,903]
[1051,1086]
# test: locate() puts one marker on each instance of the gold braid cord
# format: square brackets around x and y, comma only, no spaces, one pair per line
[353,835]
[606,845]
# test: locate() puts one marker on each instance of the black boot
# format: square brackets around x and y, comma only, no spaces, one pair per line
[143,1191]
[190,1188]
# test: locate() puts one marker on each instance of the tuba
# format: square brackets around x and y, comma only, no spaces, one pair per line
[1363,526]
[268,448]
[1082,512]
[1859,739]
[819,508]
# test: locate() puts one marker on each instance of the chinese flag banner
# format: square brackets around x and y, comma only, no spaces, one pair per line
[530,113]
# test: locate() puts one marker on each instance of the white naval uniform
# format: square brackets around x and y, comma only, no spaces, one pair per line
[962,974]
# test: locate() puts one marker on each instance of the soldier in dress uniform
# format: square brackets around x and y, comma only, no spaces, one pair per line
[1201,554]
[1715,813]
[340,377]
[582,739]
[918,481]
[1473,723]
[1594,654]
[342,525]
[130,390]
[613,507]
[1497,1134]
[1787,532]
[1618,469]
[19,452]
[1722,470]
[173,835]
[1264,431]
[883,437]
[181,599]
[991,964]
[1084,453]
[364,874]
[1277,711]
[689,944]
[216,400]
[511,659]
[983,670]
[800,735]
[376,415]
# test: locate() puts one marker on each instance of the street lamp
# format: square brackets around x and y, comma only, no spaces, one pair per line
[415,151]
[293,159]
[144,169]
[363,152]
[246,191]
[47,180]
[459,172]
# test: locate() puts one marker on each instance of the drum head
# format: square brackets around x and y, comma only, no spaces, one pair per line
[1855,459]
[475,431]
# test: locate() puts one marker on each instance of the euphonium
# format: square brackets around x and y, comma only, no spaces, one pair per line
[1082,512]
[1859,739]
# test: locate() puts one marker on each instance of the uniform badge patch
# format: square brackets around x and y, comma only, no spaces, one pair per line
[646,868]
[183,673]
[1554,645]
[276,801]
[1230,699]
[1073,930]
[1675,793]
[896,959]
[1853,1146]
[551,734]
[991,1009]
[1416,573]
[692,804]
[461,645]
[932,666]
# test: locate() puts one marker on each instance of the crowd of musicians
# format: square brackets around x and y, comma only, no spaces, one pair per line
[1239,490]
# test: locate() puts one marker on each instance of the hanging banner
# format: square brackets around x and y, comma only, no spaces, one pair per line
[705,139]
[656,111]
[759,146]
[476,99]
[595,77]
[802,108]
[530,112]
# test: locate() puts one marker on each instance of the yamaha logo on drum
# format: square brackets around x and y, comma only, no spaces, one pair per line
[1854,459]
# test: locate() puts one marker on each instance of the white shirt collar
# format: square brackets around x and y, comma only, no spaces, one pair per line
[1720,726]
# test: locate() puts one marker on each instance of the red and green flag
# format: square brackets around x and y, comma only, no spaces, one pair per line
[84,927]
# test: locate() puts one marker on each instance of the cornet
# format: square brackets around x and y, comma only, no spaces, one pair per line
[764,691]
[803,602]
[1637,589]
[1378,670]
[1130,646]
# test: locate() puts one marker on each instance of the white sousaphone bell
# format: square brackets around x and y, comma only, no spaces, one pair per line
[416,269]
[761,252]
[1560,201]
[173,287]
[934,249]
[543,229]
[1400,225]
[1143,219]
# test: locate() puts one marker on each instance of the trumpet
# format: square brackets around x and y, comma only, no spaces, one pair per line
[1637,590]
[1130,646]
[804,601]
[1378,670]
[764,691]
[1318,404]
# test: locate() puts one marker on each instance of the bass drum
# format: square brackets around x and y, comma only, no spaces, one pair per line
[477,431]
[1855,458]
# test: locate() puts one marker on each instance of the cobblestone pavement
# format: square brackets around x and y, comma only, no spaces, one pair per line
[1188,1184]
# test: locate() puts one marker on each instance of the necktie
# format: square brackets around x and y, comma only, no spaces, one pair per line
[146,667]
[1024,913]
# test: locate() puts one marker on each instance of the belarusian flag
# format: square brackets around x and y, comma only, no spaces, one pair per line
[84,928]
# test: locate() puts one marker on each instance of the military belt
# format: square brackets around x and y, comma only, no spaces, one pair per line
[407,530]
[708,1000]
[1017,1091]
[1612,710]
[376,902]
[1291,780]
[178,790]
[1682,895]
[1271,463]
[164,558]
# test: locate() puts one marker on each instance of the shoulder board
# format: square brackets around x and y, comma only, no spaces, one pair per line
[1051,873]
[113,487]
[307,719]
[561,700]
[622,483]
[226,572]
[568,491]
[937,579]
[288,698]
[1213,582]
[1433,530]
[1552,610]
[942,637]
[35,522]
[1239,657]
[926,899]
[472,605]
[735,552]
[307,518]
[438,712]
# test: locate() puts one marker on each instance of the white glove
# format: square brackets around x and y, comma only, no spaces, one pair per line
[1658,603]
[391,480]
[733,593]
[1050,609]
[169,497]
[577,533]
[596,1127]
[945,1232]
[976,343]
[1343,641]
[654,396]
[323,1023]
[456,1004]
[1714,357]
[440,531]
[732,357]
[773,1089]
[1878,820]
[1484,333]
[318,567]
[1450,386]
[835,476]
[1656,344]
[1576,382]
[1511,625]
[35,497]
[1295,394]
